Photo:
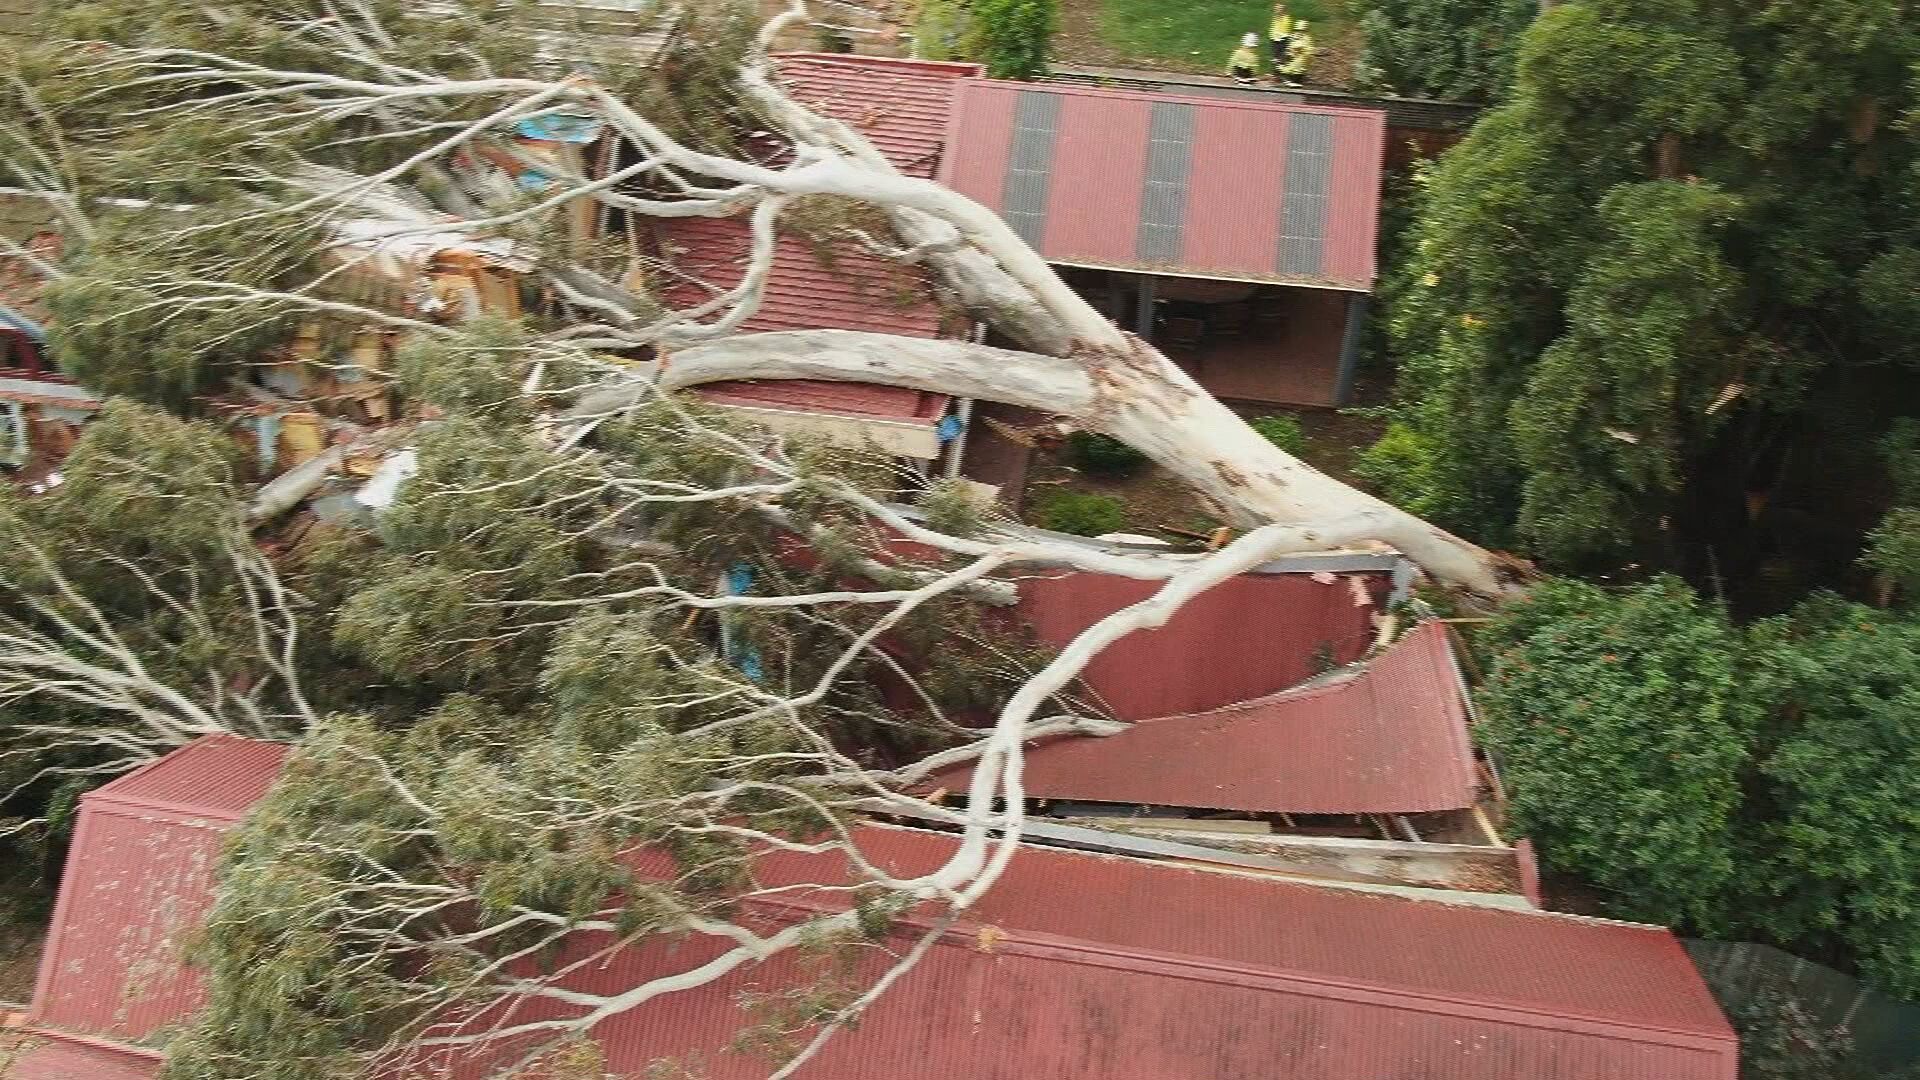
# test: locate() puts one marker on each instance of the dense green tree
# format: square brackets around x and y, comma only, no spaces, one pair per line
[1628,283]
[1621,731]
[1453,49]
[1893,548]
[1752,782]
[1841,783]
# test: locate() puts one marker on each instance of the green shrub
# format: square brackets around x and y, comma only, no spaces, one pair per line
[1012,37]
[941,30]
[1101,455]
[1083,514]
[1283,432]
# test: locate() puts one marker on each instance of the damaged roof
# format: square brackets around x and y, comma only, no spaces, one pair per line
[1086,967]
[1389,739]
[1245,638]
[855,291]
[903,107]
[1173,973]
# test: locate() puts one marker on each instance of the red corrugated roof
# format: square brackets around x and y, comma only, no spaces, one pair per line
[1224,175]
[857,292]
[46,1055]
[219,777]
[842,399]
[139,883]
[1244,639]
[1390,740]
[901,106]
[1097,967]
[1100,967]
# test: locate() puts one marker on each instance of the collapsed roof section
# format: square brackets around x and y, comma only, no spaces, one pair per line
[1390,738]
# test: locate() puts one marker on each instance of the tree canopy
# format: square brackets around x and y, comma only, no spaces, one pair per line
[1736,781]
[1635,284]
[1460,50]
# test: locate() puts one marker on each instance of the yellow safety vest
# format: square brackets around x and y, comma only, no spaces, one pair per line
[1282,27]
[1298,55]
[1244,57]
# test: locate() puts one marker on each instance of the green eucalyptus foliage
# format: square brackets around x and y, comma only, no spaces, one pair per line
[552,719]
[1461,50]
[473,803]
[119,326]
[1621,730]
[140,541]
[1625,283]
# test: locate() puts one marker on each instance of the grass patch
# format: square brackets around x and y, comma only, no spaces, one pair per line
[1200,34]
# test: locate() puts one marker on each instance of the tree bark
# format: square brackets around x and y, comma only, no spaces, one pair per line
[1132,393]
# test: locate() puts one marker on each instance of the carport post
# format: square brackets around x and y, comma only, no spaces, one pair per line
[1143,317]
[1350,350]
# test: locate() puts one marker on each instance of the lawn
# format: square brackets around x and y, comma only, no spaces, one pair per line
[1192,36]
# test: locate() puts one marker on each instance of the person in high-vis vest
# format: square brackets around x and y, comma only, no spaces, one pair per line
[1279,35]
[1244,64]
[1299,55]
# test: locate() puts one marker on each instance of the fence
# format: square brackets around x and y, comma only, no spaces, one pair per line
[1886,1031]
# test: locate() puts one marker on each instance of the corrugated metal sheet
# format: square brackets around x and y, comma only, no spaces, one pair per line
[218,777]
[52,1056]
[1303,205]
[1095,178]
[1023,193]
[858,292]
[1174,974]
[139,882]
[901,106]
[1099,968]
[1244,639]
[1392,739]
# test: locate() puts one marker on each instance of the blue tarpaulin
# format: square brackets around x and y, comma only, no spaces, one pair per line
[266,433]
[560,127]
[739,579]
[741,654]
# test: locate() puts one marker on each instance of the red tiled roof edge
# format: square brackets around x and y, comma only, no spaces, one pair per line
[952,68]
[90,1042]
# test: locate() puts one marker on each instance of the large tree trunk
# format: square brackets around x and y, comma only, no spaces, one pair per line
[1132,393]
